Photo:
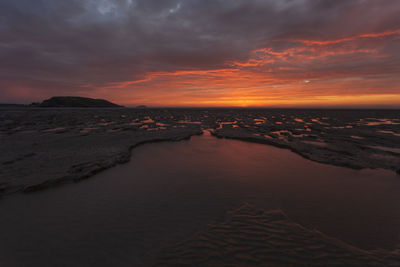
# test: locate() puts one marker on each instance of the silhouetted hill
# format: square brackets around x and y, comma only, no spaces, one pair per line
[76,101]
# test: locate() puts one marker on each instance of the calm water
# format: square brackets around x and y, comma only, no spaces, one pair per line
[124,215]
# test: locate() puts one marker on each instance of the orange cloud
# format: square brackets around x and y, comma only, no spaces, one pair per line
[309,73]
[392,33]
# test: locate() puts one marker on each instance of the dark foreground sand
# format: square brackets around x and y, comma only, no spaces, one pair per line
[252,237]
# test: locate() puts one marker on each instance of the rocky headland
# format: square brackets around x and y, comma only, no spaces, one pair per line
[76,102]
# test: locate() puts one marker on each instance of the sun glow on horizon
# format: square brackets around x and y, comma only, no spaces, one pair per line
[163,54]
[306,74]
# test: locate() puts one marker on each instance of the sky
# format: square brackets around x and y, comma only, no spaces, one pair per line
[244,53]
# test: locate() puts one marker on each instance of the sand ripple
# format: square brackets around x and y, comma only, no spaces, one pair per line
[251,237]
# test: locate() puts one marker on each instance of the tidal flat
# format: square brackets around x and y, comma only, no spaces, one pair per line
[297,187]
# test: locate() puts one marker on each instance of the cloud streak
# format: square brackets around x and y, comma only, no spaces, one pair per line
[193,52]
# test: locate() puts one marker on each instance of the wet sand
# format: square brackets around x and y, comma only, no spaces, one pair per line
[51,146]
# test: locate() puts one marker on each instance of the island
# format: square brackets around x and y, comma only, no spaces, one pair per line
[76,101]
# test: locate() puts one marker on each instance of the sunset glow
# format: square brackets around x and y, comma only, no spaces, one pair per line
[136,53]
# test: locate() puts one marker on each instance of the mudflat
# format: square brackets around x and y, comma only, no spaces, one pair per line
[43,147]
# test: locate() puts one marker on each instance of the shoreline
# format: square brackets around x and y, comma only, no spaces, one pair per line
[47,147]
[85,170]
[89,169]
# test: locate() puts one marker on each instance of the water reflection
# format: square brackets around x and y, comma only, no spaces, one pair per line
[170,190]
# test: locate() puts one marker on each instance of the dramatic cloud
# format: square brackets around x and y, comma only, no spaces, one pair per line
[208,52]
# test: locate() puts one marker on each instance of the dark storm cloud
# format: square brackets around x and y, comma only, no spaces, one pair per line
[67,44]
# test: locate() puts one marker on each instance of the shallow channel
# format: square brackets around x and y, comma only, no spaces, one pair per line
[125,215]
